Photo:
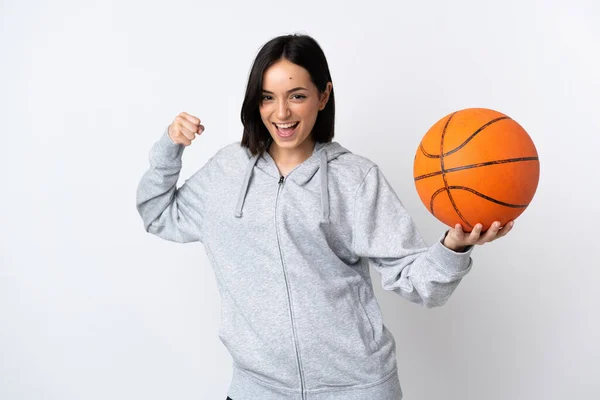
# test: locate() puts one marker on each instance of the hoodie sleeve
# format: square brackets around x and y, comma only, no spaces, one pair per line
[385,234]
[171,213]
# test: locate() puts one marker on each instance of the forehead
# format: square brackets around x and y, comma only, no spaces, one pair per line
[284,74]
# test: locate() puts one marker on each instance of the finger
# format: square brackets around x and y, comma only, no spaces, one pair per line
[190,135]
[491,233]
[505,229]
[191,118]
[187,124]
[475,233]
[458,231]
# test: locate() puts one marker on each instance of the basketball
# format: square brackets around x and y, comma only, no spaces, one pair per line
[476,166]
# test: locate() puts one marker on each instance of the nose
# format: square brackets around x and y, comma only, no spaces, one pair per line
[283,110]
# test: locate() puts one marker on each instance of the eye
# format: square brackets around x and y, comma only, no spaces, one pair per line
[266,97]
[298,96]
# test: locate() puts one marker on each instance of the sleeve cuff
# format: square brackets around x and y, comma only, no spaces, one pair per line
[449,259]
[165,151]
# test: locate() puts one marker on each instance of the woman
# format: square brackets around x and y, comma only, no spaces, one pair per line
[291,222]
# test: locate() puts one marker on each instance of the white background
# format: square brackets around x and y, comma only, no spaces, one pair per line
[92,307]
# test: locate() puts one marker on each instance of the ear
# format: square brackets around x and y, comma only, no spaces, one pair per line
[324,98]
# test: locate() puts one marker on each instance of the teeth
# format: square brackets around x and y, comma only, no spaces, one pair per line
[289,125]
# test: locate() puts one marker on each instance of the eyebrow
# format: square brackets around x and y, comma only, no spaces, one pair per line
[289,91]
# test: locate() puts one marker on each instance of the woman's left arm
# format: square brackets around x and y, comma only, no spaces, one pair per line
[384,233]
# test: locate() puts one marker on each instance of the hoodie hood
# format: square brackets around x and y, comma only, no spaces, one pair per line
[323,153]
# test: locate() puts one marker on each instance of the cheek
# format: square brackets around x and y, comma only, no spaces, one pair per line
[264,114]
[308,111]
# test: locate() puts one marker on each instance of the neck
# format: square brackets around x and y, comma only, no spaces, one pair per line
[288,159]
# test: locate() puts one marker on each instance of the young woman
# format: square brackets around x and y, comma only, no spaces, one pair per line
[291,222]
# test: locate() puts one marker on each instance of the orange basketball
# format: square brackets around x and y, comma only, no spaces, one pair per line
[476,166]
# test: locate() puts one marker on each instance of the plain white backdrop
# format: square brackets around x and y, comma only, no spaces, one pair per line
[92,307]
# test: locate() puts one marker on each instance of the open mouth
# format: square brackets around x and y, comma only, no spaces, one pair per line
[287,129]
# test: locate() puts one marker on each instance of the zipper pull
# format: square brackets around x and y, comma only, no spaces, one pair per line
[280,180]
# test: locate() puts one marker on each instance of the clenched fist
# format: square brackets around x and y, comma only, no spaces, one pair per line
[184,129]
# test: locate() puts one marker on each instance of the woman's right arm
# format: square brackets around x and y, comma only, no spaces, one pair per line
[172,213]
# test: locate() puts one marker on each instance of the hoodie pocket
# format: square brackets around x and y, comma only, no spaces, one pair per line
[370,322]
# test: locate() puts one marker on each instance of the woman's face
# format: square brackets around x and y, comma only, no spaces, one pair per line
[290,104]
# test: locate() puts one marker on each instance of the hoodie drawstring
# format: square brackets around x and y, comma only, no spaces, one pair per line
[324,185]
[244,190]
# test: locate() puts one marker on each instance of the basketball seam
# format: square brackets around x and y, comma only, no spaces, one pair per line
[479,165]
[444,174]
[493,200]
[463,144]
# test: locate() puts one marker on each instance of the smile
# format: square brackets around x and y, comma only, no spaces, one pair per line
[286,130]
[286,125]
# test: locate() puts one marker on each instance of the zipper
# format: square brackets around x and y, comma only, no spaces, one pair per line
[279,188]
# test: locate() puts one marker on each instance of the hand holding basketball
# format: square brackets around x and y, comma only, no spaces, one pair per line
[184,129]
[457,239]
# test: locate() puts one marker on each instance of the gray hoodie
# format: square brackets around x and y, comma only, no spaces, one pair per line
[291,257]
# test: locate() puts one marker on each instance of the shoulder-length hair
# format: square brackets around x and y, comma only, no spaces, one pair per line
[301,50]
